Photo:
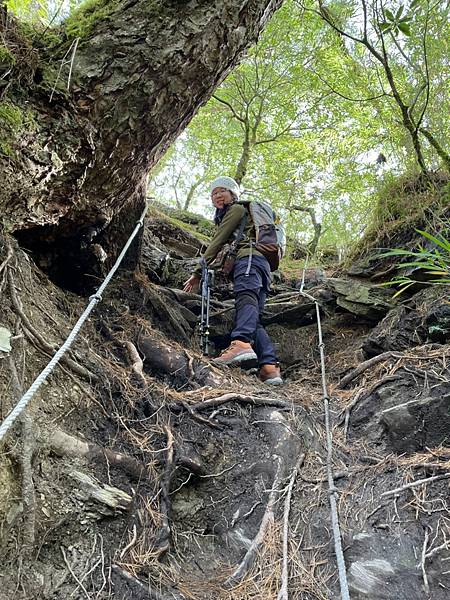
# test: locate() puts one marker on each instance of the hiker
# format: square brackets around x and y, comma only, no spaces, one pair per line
[251,282]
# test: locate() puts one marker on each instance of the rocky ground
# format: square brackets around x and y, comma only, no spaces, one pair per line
[142,471]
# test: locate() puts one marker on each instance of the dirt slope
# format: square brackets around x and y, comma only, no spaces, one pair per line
[152,474]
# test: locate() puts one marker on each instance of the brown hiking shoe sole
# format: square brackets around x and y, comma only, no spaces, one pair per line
[235,360]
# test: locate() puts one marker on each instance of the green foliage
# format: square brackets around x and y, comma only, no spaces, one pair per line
[7,58]
[320,112]
[433,262]
[396,24]
[13,120]
[28,10]
[201,230]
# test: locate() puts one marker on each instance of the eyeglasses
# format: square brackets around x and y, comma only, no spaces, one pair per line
[218,192]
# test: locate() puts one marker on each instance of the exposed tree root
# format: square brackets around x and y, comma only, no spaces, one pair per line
[64,444]
[140,591]
[232,397]
[28,445]
[162,357]
[137,364]
[32,333]
[163,541]
[267,520]
[283,593]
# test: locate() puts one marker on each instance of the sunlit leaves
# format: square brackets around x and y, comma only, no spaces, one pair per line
[396,23]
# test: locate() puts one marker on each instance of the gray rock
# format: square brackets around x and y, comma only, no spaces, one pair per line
[425,317]
[402,416]
[383,567]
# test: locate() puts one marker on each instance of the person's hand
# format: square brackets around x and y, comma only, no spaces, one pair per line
[192,284]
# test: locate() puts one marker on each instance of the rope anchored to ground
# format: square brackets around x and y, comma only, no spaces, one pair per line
[93,301]
[331,487]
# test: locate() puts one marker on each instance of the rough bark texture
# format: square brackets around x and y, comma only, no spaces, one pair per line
[140,72]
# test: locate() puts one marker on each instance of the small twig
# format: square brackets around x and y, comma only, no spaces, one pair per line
[415,484]
[71,61]
[72,48]
[436,550]
[422,562]
[220,472]
[130,543]
[283,593]
[80,584]
[366,365]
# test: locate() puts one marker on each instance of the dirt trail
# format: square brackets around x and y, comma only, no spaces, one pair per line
[160,476]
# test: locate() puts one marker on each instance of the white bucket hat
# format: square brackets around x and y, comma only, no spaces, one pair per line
[227,183]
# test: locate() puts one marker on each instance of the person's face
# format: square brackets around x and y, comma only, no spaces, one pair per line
[221,197]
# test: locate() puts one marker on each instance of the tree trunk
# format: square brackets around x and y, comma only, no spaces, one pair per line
[74,163]
[241,169]
[443,155]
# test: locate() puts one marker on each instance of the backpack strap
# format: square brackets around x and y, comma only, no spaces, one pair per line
[240,231]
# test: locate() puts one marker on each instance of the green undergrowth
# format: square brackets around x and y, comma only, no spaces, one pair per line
[7,58]
[291,268]
[198,226]
[402,206]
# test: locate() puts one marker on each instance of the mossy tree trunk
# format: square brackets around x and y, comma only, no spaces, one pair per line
[78,152]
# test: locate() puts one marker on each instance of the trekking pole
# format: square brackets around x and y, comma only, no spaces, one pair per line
[206,285]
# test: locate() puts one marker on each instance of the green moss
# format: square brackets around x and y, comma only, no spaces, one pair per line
[11,116]
[402,205]
[13,120]
[161,214]
[83,20]
[6,56]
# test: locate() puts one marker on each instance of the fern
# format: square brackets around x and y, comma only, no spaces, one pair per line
[434,262]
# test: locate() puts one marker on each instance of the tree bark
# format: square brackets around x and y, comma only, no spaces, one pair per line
[77,162]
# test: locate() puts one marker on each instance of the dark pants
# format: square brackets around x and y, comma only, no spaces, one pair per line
[250,296]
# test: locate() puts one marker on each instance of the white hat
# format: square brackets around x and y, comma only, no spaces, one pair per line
[225,182]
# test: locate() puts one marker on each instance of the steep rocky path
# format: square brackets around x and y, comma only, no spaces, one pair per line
[142,471]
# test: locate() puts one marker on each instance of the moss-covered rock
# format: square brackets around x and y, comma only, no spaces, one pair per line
[13,120]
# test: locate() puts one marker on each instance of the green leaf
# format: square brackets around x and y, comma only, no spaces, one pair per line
[405,287]
[389,14]
[399,13]
[404,28]
[442,242]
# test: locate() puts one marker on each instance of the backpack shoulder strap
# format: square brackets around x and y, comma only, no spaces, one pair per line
[240,231]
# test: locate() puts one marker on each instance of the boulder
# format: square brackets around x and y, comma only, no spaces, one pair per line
[368,302]
[404,415]
[425,317]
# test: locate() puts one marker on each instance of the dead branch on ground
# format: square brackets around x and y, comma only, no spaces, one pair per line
[64,444]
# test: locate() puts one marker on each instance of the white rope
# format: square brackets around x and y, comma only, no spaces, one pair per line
[331,487]
[93,300]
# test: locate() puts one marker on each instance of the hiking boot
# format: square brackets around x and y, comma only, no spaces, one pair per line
[236,353]
[270,374]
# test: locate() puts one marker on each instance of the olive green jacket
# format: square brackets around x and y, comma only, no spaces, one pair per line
[224,234]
